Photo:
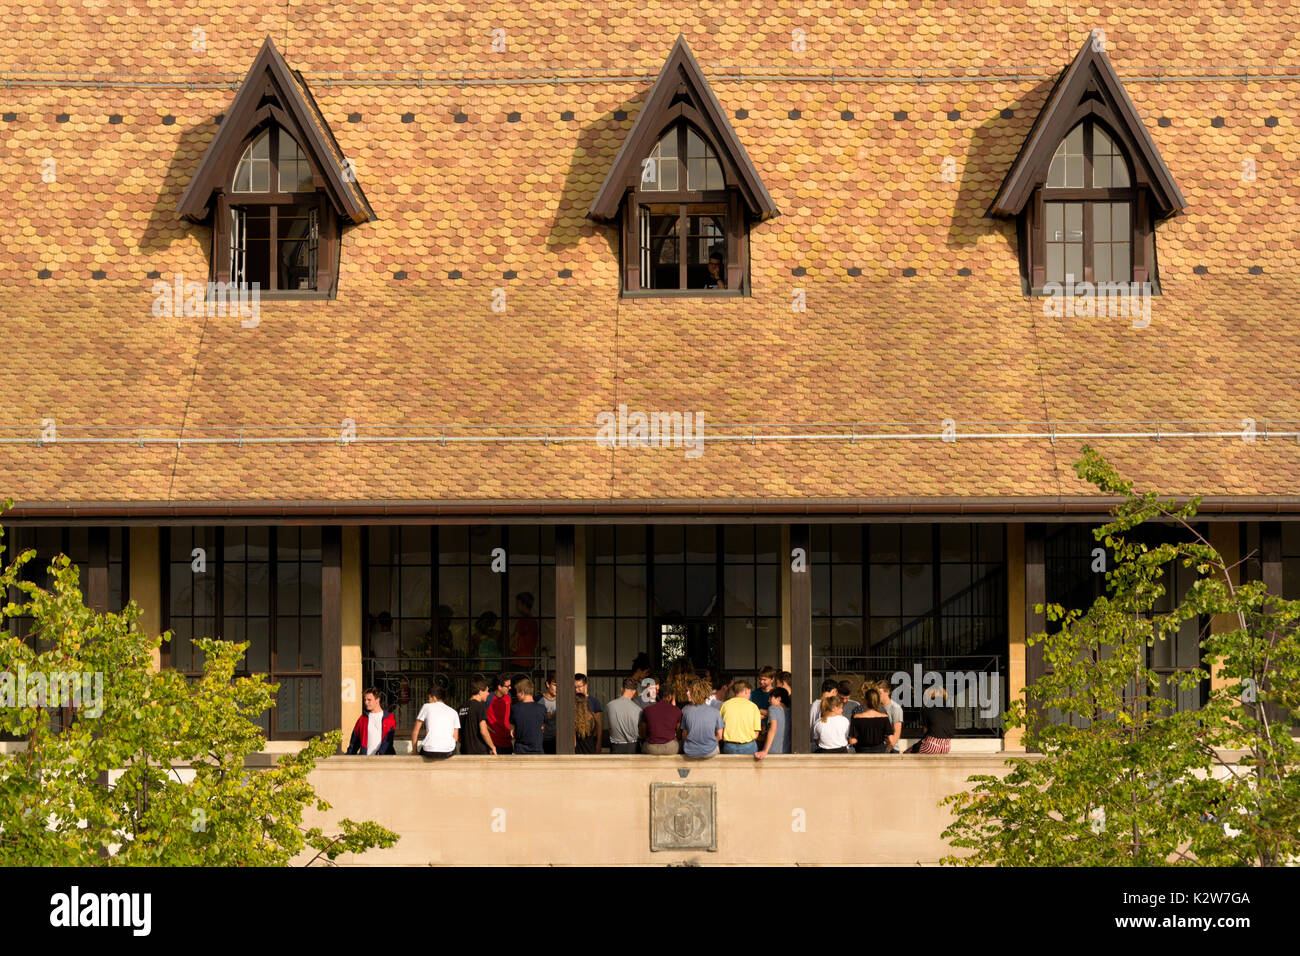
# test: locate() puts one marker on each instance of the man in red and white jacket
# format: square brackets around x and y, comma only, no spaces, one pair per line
[373,733]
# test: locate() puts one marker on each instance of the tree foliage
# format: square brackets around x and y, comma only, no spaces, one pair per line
[1124,777]
[154,772]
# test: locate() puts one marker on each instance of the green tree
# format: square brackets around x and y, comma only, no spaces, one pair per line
[151,768]
[1124,777]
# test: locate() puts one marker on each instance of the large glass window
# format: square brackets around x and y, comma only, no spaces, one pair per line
[1076,576]
[710,593]
[891,597]
[256,584]
[444,603]
[76,543]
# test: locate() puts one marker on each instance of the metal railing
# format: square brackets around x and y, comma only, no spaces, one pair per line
[988,672]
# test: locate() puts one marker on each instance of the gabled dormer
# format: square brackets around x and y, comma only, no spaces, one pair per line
[1089,185]
[683,191]
[275,186]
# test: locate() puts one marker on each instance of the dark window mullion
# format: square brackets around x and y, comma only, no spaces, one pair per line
[435,579]
[652,632]
[272,604]
[273,270]
[719,584]
[682,242]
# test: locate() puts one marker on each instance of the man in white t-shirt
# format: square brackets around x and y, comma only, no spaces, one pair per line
[443,728]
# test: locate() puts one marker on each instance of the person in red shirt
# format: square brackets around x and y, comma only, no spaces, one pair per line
[661,725]
[523,640]
[498,716]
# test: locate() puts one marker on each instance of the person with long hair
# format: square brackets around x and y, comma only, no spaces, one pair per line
[831,732]
[870,729]
[701,724]
[940,722]
[585,727]
[681,674]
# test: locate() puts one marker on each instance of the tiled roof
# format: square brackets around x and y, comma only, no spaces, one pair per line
[914,309]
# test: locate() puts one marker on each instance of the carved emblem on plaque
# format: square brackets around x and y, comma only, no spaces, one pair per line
[683,816]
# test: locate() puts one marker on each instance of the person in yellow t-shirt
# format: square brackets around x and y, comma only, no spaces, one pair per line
[741,721]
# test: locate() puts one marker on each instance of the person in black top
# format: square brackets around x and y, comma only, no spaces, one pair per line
[870,729]
[940,723]
[586,727]
[473,721]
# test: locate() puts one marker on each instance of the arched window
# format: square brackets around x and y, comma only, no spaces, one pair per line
[683,218]
[1088,209]
[274,215]
[1089,185]
[662,171]
[276,188]
[683,192]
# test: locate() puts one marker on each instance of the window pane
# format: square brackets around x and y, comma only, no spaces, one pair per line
[295,173]
[295,248]
[253,174]
[1055,215]
[1074,222]
[659,224]
[1101,221]
[1121,258]
[1056,263]
[1074,262]
[1119,172]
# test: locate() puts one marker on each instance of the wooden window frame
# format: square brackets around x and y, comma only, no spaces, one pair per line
[737,238]
[326,239]
[1141,228]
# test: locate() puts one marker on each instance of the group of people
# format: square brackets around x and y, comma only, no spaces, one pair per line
[682,712]
[486,647]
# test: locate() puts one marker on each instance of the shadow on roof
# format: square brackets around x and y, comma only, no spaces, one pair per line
[165,224]
[993,147]
[591,161]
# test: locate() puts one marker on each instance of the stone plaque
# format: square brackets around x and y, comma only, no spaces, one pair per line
[683,816]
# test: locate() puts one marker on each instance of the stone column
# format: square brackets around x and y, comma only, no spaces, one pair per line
[1017,620]
[146,581]
[800,633]
[1035,593]
[351,629]
[331,625]
[565,632]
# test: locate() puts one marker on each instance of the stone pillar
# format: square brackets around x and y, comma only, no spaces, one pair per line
[146,581]
[331,606]
[1225,537]
[565,619]
[579,604]
[786,657]
[1035,593]
[800,634]
[351,630]
[1017,620]
[97,573]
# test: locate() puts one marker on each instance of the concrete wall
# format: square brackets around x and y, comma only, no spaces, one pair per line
[875,810]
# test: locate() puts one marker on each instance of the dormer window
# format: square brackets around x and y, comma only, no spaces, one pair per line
[1088,209]
[1089,184]
[683,199]
[683,192]
[275,187]
[275,232]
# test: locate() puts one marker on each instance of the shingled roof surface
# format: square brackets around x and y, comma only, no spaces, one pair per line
[481,164]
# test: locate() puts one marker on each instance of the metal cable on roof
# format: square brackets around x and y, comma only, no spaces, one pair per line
[725,73]
[1248,430]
